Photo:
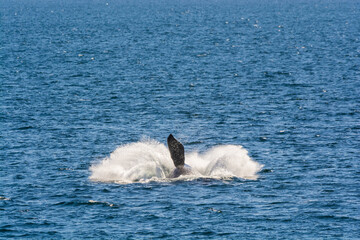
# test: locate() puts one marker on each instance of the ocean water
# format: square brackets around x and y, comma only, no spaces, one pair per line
[264,95]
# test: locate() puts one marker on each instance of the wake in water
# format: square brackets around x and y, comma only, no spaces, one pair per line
[149,160]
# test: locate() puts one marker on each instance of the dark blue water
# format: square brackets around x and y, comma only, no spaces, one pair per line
[79,79]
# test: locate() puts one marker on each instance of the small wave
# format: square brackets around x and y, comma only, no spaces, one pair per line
[101,203]
[149,160]
[79,203]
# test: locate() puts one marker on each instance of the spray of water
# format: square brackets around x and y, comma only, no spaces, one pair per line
[149,160]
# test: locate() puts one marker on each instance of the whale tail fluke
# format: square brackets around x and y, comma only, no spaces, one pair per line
[177,151]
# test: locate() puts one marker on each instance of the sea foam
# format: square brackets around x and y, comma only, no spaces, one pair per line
[149,160]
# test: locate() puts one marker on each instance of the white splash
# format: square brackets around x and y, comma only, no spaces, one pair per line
[149,160]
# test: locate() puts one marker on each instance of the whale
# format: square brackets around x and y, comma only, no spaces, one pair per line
[177,153]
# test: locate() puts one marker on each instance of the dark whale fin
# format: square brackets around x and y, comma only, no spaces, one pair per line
[177,151]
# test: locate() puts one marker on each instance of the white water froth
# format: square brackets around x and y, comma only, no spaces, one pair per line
[149,160]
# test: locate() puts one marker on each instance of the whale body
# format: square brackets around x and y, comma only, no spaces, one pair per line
[177,153]
[184,170]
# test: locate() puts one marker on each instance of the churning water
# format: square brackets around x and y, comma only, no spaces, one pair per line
[150,160]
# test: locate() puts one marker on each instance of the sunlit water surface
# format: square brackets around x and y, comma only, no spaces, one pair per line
[264,95]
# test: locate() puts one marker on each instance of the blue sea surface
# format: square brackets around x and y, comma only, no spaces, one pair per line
[90,90]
